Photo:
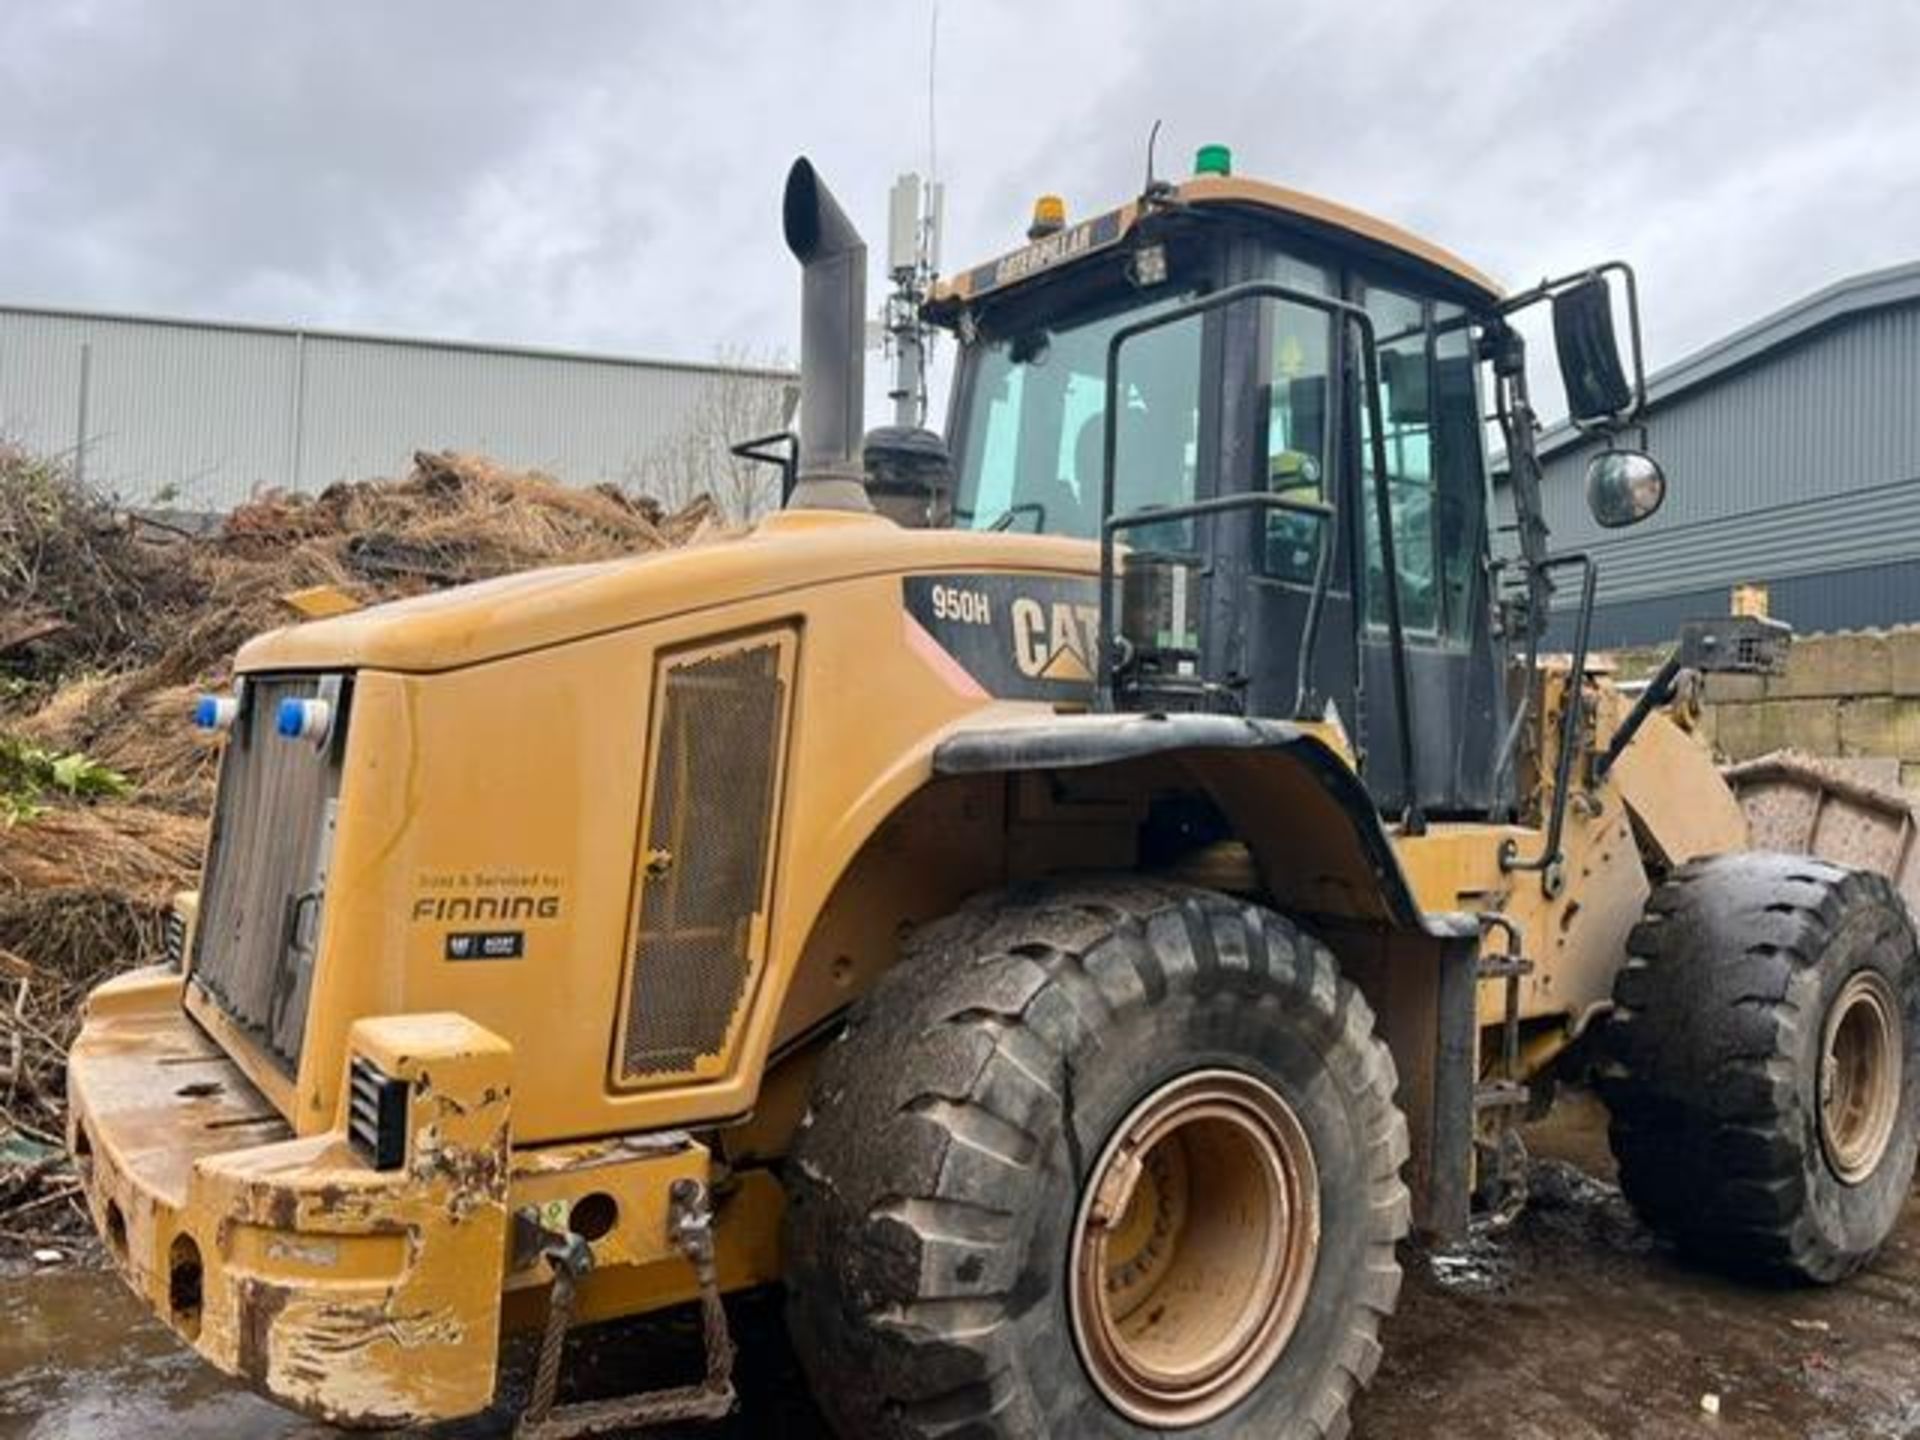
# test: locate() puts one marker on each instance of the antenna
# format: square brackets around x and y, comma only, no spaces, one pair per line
[914,214]
[933,58]
[1158,192]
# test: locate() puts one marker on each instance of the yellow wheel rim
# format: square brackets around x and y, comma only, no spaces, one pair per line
[1862,1067]
[1194,1248]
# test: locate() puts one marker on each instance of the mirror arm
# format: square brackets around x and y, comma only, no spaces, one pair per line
[1547,289]
[1507,350]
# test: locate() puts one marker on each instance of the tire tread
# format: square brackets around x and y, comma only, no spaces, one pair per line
[1710,1125]
[991,1001]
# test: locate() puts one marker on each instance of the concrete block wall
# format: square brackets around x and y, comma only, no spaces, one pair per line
[1853,696]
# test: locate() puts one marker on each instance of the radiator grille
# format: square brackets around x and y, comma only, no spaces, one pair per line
[703,870]
[174,938]
[259,921]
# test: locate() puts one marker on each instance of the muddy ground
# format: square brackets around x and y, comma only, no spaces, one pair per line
[1573,1324]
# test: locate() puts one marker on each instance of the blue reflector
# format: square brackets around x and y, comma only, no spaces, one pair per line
[304,719]
[216,712]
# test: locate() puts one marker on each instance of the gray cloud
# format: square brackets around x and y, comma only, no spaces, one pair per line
[608,176]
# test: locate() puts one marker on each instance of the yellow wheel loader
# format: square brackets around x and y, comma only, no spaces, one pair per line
[1065,898]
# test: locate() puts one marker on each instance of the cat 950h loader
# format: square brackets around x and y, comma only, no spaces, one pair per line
[1065,898]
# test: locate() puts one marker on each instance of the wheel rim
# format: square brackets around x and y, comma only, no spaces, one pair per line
[1194,1248]
[1861,1064]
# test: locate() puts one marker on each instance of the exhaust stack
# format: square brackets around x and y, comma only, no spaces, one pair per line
[833,319]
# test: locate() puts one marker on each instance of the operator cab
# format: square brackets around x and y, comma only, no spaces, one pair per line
[1236,320]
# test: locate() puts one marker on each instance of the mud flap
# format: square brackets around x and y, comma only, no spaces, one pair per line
[1424,989]
[1441,1205]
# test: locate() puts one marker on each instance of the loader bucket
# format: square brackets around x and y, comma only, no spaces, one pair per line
[1803,805]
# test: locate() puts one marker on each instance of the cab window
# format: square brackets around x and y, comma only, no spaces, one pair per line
[1435,465]
[1034,443]
[1298,344]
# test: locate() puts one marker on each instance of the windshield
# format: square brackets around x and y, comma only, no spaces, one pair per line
[1033,435]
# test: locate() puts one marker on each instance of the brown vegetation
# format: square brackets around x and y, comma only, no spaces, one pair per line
[110,626]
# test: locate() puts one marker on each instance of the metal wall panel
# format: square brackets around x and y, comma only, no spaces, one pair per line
[203,415]
[196,414]
[370,406]
[1800,466]
[1858,599]
[1862,527]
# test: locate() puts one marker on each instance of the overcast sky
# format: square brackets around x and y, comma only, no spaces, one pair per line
[582,173]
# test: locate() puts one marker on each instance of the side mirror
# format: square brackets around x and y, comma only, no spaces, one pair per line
[1590,368]
[1624,487]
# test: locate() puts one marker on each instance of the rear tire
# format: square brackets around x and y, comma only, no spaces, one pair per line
[943,1207]
[1763,1072]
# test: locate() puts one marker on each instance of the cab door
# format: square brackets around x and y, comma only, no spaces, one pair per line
[1436,479]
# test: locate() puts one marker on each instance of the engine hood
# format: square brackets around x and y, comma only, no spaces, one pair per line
[791,550]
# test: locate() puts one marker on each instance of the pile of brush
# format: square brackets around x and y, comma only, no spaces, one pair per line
[110,626]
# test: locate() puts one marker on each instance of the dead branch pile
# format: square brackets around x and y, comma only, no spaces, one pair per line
[110,626]
[76,587]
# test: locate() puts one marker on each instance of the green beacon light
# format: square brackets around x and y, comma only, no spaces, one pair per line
[1213,160]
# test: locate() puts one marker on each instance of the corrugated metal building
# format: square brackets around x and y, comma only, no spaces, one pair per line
[1792,452]
[201,414]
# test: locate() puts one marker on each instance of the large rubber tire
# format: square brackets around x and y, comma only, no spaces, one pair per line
[1714,1056]
[934,1184]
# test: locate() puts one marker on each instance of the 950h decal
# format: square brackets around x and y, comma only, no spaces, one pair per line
[1019,637]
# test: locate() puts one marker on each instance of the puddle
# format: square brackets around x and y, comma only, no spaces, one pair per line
[80,1357]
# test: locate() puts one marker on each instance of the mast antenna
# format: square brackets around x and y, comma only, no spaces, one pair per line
[915,211]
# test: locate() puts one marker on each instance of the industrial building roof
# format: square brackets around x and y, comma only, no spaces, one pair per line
[320,332]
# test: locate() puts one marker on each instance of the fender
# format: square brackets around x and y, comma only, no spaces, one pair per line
[1310,823]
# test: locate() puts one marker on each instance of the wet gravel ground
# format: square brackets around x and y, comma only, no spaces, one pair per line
[1572,1324]
[1576,1324]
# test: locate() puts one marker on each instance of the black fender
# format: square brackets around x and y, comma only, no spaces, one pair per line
[1310,823]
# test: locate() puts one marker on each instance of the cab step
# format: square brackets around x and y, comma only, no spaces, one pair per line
[690,1220]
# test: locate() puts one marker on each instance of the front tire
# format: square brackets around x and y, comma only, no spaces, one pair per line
[1099,1158]
[1763,1072]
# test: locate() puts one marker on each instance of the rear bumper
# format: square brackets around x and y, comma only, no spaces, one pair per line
[357,1296]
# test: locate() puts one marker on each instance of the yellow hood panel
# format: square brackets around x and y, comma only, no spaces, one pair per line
[516,613]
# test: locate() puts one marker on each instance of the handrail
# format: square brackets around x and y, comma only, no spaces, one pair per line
[759,449]
[1258,500]
[1549,857]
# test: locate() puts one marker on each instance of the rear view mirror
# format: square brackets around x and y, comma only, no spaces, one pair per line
[1590,367]
[1624,487]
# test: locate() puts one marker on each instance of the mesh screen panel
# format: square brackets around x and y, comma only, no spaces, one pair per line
[260,901]
[704,870]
